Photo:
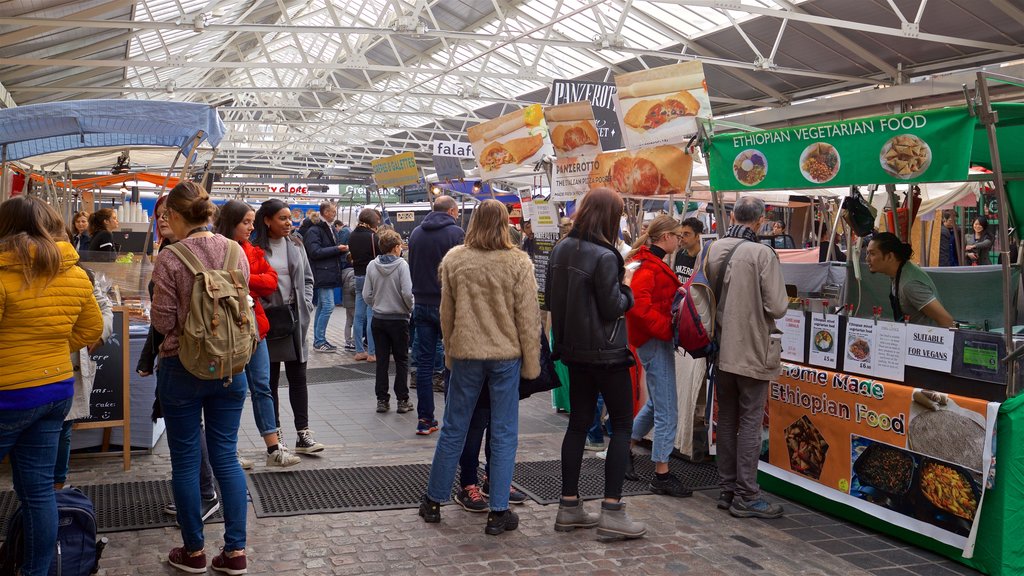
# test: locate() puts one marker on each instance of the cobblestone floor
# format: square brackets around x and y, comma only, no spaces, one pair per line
[685,536]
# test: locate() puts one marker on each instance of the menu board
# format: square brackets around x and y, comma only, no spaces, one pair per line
[929,347]
[823,350]
[107,400]
[912,457]
[923,146]
[794,332]
[875,348]
[544,243]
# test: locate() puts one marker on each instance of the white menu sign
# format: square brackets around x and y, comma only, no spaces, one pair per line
[929,347]
[875,348]
[824,340]
[793,331]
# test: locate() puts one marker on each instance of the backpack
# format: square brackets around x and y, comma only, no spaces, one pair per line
[859,214]
[220,331]
[77,550]
[694,302]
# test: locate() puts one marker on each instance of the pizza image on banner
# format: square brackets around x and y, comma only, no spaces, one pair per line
[504,145]
[652,171]
[662,105]
[573,129]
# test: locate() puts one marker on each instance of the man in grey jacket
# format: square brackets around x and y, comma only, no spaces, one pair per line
[753,297]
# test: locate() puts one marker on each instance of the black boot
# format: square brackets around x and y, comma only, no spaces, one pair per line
[630,470]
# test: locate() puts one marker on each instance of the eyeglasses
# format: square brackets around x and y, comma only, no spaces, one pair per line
[164,216]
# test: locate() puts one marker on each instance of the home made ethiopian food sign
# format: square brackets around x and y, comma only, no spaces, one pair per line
[929,146]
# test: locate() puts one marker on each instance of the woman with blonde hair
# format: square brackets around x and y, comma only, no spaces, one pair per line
[38,280]
[490,321]
[649,326]
[79,232]
[186,400]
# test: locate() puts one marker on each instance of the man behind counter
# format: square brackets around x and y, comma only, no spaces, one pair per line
[689,248]
[913,292]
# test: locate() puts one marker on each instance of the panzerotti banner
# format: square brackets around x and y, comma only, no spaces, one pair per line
[929,146]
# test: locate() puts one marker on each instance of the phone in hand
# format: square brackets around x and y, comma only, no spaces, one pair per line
[631,266]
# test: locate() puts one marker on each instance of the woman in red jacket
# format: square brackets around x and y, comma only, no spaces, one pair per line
[649,330]
[235,220]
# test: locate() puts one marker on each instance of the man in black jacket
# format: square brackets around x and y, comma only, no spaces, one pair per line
[428,244]
[323,256]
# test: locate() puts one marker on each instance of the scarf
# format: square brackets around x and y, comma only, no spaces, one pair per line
[741,231]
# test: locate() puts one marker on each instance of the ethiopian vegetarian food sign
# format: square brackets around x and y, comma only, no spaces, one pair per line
[928,146]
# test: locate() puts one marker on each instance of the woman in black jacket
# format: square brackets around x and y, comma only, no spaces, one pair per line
[981,243]
[101,225]
[588,293]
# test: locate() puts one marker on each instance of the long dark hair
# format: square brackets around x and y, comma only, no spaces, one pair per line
[598,216]
[267,210]
[888,243]
[98,220]
[229,216]
[26,223]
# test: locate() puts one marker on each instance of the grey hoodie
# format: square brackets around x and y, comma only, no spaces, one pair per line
[388,288]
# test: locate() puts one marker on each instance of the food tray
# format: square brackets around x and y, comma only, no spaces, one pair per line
[968,500]
[885,468]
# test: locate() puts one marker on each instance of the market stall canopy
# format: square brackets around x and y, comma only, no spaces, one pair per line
[28,131]
[98,160]
[485,192]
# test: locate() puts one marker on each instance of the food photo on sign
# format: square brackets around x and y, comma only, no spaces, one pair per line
[652,171]
[662,105]
[573,129]
[509,142]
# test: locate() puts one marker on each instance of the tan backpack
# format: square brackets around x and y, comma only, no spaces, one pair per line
[220,331]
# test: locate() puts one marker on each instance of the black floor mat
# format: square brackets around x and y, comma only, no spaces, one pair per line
[119,507]
[338,490]
[542,481]
[332,374]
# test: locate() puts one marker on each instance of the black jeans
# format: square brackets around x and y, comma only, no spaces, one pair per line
[391,338]
[585,382]
[298,395]
[469,462]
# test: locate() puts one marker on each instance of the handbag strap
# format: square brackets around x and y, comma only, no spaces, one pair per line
[187,258]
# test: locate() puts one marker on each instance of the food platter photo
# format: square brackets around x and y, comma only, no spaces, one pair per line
[807,448]
[750,167]
[942,429]
[823,341]
[882,474]
[949,494]
[859,350]
[819,162]
[905,156]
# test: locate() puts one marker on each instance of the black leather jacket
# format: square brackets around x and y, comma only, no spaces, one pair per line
[587,299]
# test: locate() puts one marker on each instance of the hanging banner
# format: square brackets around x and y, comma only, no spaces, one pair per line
[662,105]
[928,146]
[573,129]
[914,458]
[397,170]
[448,168]
[653,171]
[503,145]
[452,149]
[571,177]
[603,103]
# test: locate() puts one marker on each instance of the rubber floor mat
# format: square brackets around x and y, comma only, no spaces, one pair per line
[333,374]
[119,507]
[542,480]
[330,490]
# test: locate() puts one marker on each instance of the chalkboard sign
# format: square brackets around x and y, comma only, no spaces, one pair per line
[108,392]
[544,243]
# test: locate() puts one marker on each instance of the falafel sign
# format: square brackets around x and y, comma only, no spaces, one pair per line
[915,458]
[927,146]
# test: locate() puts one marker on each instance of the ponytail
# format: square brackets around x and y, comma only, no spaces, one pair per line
[888,243]
[658,227]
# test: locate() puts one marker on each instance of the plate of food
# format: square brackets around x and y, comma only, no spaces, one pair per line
[750,167]
[823,340]
[859,349]
[905,156]
[807,448]
[819,162]
[657,170]
[949,489]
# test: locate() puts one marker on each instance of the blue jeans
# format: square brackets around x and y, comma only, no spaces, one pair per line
[595,434]
[427,320]
[322,315]
[257,374]
[187,401]
[467,380]
[60,470]
[30,438]
[479,427]
[438,350]
[661,411]
[364,315]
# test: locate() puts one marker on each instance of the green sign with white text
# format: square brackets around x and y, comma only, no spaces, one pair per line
[928,146]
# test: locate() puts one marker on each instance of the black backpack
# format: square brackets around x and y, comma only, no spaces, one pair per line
[77,551]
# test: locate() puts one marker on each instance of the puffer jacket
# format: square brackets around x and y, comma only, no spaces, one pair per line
[41,325]
[262,283]
[654,287]
[587,299]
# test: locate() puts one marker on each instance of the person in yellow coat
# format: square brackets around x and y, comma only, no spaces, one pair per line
[47,309]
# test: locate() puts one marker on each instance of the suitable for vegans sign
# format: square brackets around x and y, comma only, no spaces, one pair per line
[928,146]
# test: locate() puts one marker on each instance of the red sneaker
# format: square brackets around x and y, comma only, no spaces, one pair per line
[182,560]
[233,565]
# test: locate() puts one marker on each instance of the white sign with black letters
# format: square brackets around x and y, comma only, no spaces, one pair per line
[930,347]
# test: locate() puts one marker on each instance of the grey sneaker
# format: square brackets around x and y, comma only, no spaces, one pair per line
[404,406]
[571,516]
[282,458]
[305,444]
[383,406]
[759,508]
[325,347]
[615,523]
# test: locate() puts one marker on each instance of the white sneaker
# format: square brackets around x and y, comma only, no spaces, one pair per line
[245,463]
[603,454]
[282,458]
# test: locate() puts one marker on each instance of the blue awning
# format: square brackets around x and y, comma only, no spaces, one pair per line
[57,126]
[484,193]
